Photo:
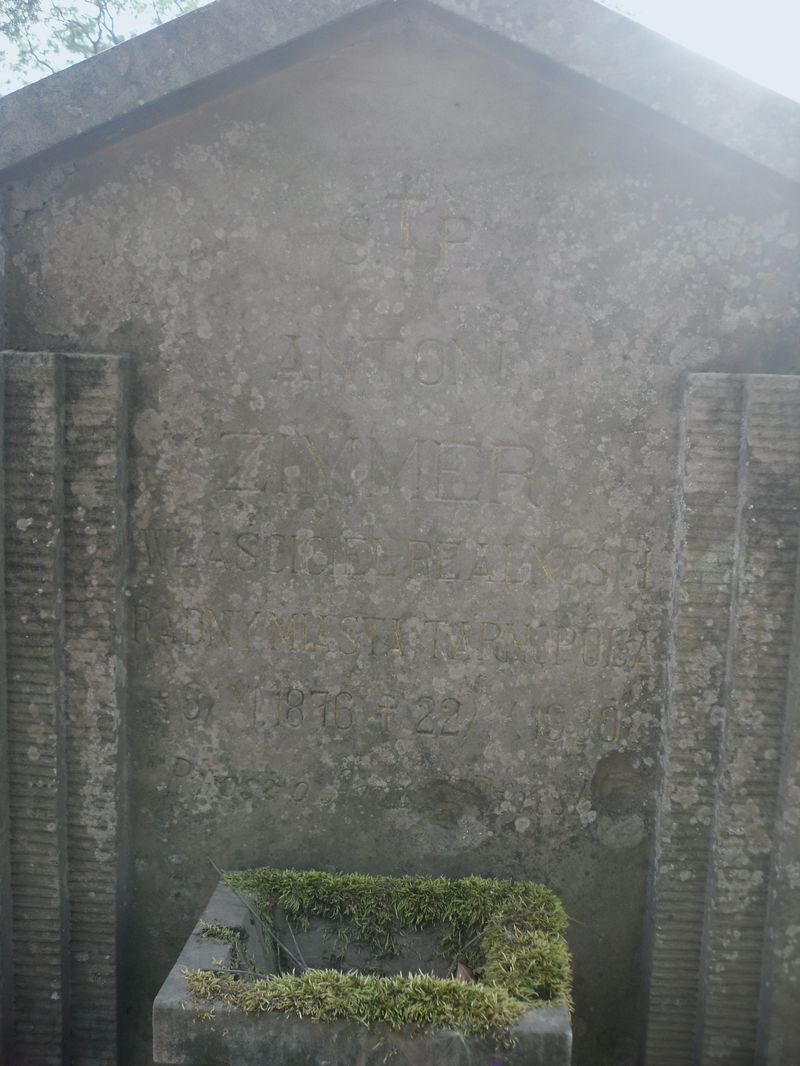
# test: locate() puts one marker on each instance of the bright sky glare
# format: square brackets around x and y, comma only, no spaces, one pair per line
[760,40]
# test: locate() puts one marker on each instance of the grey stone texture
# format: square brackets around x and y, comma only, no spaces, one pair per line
[190,1032]
[726,723]
[33,428]
[410,304]
[206,51]
[64,443]
[779,1033]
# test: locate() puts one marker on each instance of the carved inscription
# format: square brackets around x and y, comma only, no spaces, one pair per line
[306,463]
[561,724]
[320,555]
[419,224]
[338,712]
[307,360]
[277,466]
[305,356]
[315,708]
[542,645]
[193,783]
[371,635]
[440,639]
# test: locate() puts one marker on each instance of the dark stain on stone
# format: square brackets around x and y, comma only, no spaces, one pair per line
[618,787]
[446,802]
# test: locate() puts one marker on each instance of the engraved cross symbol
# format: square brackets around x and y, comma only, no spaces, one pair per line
[387,705]
[405,192]
[405,196]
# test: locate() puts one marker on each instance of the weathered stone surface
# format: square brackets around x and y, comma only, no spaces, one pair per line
[64,437]
[779,1031]
[6,927]
[711,458]
[34,529]
[95,429]
[410,321]
[185,1033]
[727,731]
[210,50]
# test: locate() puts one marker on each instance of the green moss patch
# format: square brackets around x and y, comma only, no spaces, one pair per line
[509,935]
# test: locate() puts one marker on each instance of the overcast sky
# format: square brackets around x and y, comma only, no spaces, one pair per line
[758,38]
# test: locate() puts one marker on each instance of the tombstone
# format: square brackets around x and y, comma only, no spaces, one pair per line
[401,475]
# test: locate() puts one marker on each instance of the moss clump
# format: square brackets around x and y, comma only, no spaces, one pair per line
[234,938]
[374,910]
[528,963]
[215,931]
[508,933]
[419,1000]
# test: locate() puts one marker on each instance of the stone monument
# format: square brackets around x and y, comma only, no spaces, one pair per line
[402,475]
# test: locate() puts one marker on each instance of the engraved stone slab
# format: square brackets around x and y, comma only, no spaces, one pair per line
[727,729]
[393,604]
[410,321]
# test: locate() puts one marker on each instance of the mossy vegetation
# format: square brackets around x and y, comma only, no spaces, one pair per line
[418,1001]
[215,931]
[508,934]
[239,958]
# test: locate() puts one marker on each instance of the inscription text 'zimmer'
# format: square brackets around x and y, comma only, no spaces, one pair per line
[416,468]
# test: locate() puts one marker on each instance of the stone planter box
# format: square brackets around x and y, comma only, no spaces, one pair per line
[196,1033]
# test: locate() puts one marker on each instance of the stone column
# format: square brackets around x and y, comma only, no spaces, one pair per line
[719,847]
[64,554]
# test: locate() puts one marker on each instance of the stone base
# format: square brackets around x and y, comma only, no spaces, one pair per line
[191,1033]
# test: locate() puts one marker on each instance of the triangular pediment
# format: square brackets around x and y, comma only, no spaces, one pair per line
[231,42]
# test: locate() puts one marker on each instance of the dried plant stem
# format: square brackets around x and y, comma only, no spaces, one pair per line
[260,926]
